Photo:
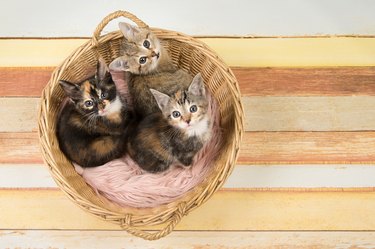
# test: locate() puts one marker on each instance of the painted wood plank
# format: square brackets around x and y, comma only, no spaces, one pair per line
[331,81]
[307,147]
[334,81]
[23,239]
[23,81]
[299,177]
[245,52]
[345,113]
[226,211]
[36,52]
[245,18]
[20,148]
[302,176]
[19,114]
[25,176]
[292,52]
[256,148]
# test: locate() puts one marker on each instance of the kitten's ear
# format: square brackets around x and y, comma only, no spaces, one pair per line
[197,87]
[73,91]
[101,69]
[128,30]
[161,98]
[119,64]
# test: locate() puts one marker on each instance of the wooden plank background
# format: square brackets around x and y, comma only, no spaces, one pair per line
[303,122]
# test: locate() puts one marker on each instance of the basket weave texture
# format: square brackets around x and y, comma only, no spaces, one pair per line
[187,53]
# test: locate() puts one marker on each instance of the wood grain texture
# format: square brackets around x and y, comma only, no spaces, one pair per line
[332,81]
[23,81]
[20,148]
[292,52]
[225,211]
[78,239]
[268,113]
[296,177]
[245,52]
[333,113]
[307,147]
[256,148]
[18,114]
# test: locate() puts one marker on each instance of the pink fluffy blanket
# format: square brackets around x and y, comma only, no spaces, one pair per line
[122,181]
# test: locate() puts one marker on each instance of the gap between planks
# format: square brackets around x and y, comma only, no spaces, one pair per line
[331,81]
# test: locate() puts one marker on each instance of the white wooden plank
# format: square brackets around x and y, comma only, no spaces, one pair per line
[265,17]
[43,239]
[243,176]
[25,176]
[344,113]
[302,176]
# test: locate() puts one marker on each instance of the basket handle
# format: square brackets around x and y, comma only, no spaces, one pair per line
[177,216]
[110,17]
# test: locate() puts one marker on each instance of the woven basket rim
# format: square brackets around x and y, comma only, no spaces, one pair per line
[130,217]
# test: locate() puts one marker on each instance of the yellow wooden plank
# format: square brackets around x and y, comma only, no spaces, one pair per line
[226,210]
[246,52]
[344,113]
[36,52]
[23,239]
[295,52]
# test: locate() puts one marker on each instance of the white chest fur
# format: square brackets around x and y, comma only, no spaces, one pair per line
[114,107]
[199,129]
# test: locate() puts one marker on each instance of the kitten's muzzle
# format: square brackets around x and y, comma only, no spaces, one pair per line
[101,104]
[153,54]
[187,121]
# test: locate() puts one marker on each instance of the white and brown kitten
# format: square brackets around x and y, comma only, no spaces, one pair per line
[177,133]
[93,125]
[150,67]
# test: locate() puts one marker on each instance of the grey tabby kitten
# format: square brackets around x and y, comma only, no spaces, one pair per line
[177,133]
[150,67]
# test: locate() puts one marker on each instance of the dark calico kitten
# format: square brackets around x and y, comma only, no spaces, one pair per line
[150,67]
[92,126]
[177,133]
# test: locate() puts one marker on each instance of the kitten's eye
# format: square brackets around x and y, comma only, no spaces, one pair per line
[89,103]
[193,108]
[104,95]
[142,60]
[146,44]
[176,114]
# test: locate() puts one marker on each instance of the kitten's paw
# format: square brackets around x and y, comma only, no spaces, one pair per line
[158,168]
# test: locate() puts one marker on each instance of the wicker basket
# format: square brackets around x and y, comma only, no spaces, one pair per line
[189,54]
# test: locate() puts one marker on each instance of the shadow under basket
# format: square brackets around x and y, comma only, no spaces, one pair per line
[187,53]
